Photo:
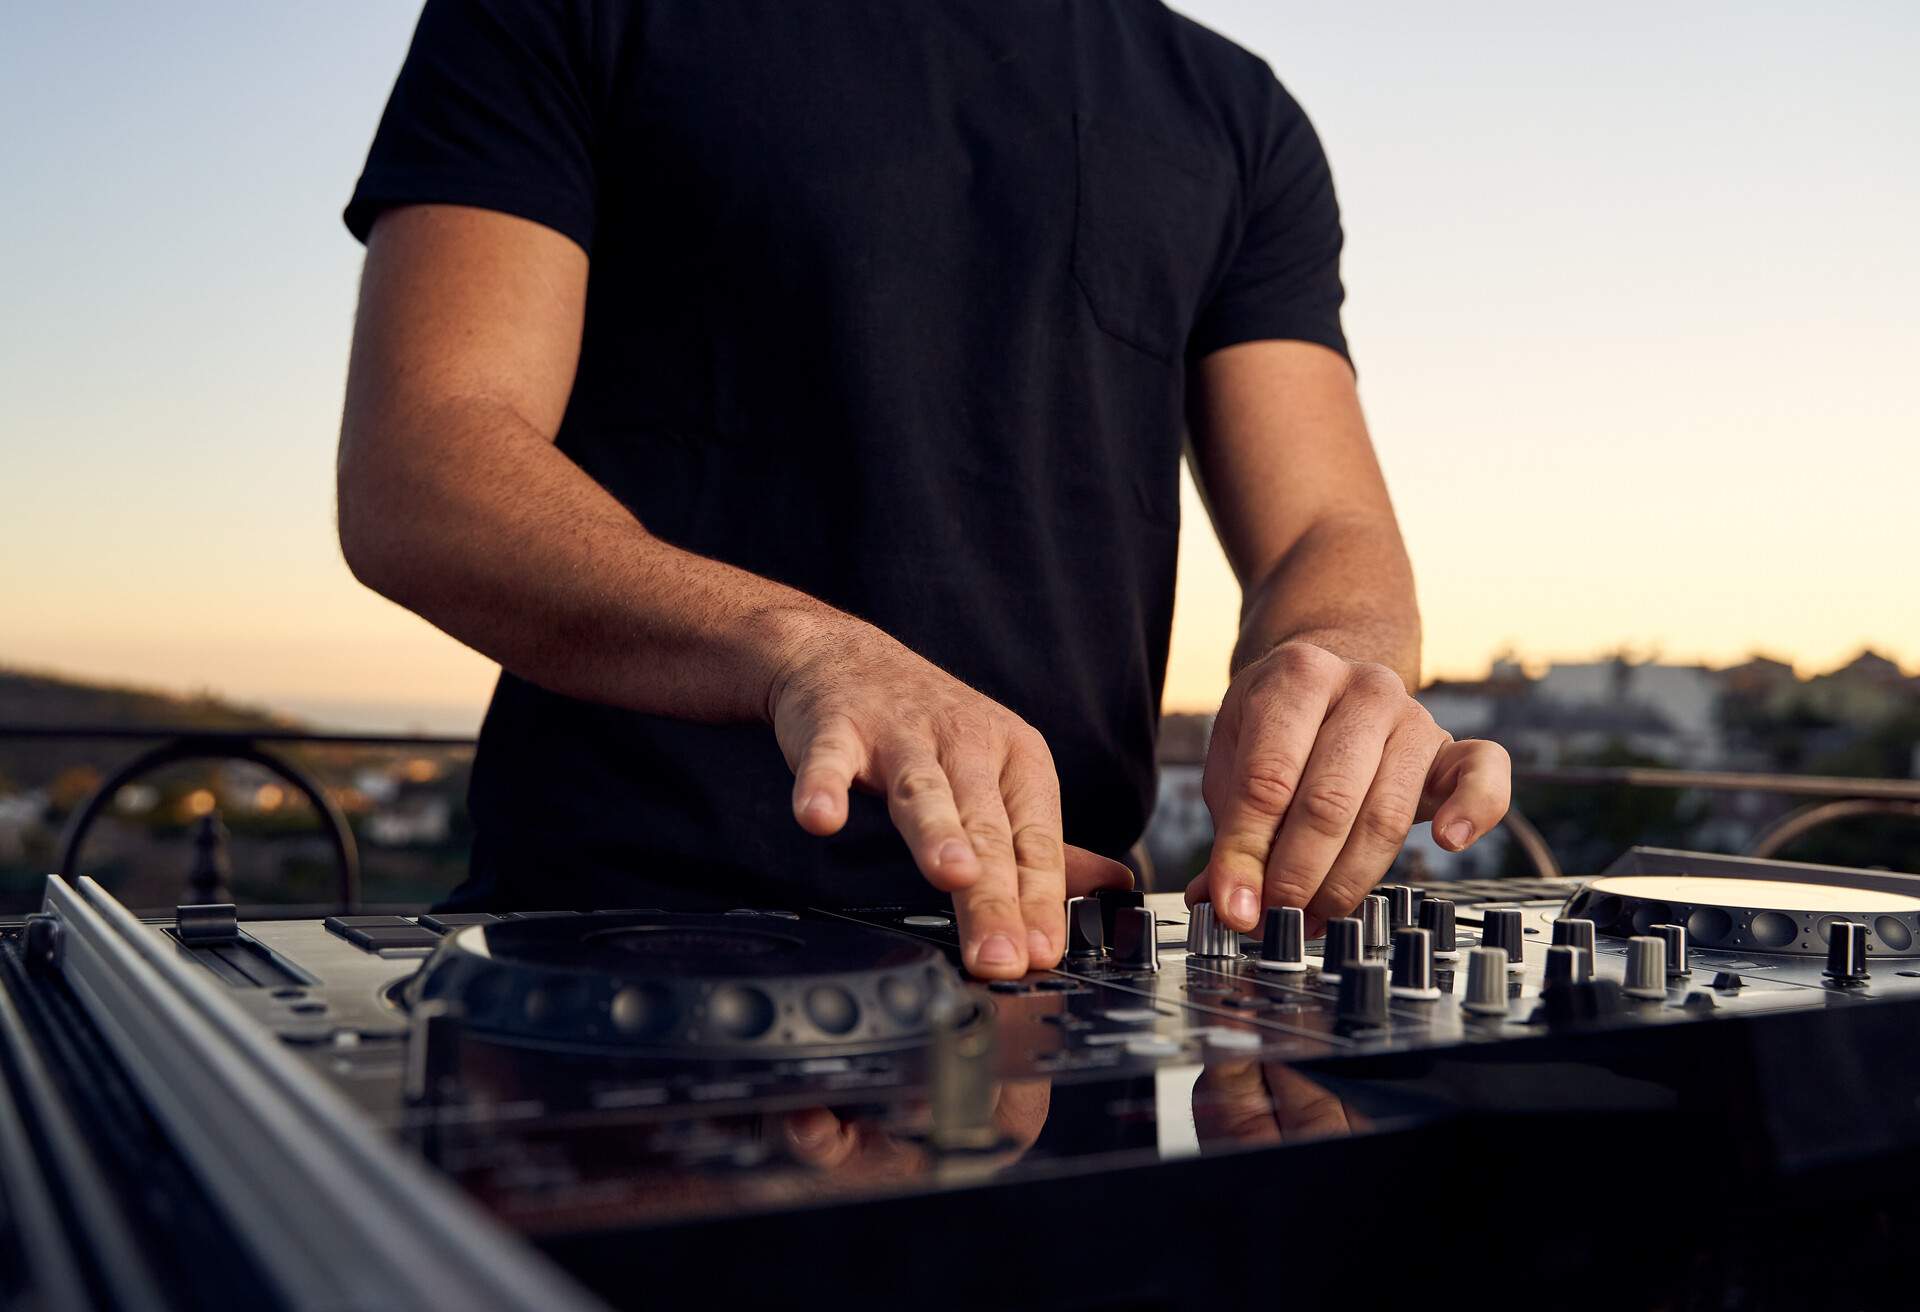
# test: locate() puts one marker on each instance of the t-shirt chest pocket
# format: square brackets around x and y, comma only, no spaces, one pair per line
[1149,222]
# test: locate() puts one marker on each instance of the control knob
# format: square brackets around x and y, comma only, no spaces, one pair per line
[1486,982]
[1373,921]
[1567,964]
[1342,946]
[1437,918]
[1646,967]
[1502,929]
[1283,939]
[1413,963]
[1363,993]
[1207,937]
[1086,932]
[1135,946]
[1847,953]
[1575,933]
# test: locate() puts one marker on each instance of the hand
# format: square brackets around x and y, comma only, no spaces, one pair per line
[969,784]
[1317,769]
[1241,1102]
[859,1149]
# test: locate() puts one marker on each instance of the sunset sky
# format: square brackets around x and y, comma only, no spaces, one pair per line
[1633,295]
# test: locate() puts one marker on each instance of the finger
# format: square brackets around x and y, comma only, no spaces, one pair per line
[816,1137]
[1031,794]
[1231,1105]
[1304,1109]
[993,932]
[1470,787]
[1088,871]
[920,800]
[1345,758]
[1380,829]
[1278,725]
[832,759]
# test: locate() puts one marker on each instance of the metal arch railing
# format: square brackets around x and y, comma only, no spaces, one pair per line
[1842,798]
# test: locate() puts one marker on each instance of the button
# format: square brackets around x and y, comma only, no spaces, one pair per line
[1727,979]
[447,922]
[1132,1015]
[1007,986]
[1233,1040]
[372,933]
[927,922]
[1150,1045]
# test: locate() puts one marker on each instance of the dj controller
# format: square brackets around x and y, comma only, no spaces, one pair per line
[1693,1081]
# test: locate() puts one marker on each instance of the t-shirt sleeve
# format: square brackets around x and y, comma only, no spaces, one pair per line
[1283,281]
[493,108]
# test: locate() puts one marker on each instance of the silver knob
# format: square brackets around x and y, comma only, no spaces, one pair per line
[1207,937]
[1646,967]
[1373,921]
[1486,982]
[1676,937]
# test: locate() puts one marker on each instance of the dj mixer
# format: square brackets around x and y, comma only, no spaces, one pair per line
[1697,1075]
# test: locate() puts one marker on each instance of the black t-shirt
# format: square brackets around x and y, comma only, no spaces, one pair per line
[891,301]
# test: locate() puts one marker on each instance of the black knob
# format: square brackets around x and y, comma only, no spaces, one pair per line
[1585,1003]
[1134,944]
[1111,900]
[1342,946]
[1436,917]
[1575,933]
[1399,904]
[1566,964]
[1283,939]
[1847,953]
[1413,963]
[1363,993]
[1676,937]
[1086,930]
[1502,929]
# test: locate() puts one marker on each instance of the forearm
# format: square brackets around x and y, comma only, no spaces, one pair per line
[478,523]
[1345,585]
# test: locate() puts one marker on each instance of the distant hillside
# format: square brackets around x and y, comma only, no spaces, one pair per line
[33,698]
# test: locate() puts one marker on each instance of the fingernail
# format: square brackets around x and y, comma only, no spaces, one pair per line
[954,854]
[998,950]
[1458,834]
[1038,949]
[1243,906]
[816,804]
[810,1128]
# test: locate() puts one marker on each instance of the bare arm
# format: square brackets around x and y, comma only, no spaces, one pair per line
[1281,452]
[455,503]
[1321,759]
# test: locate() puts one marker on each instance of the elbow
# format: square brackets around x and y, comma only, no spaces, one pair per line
[369,538]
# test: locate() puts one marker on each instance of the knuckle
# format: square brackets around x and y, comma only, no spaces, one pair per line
[1377,680]
[1328,806]
[994,907]
[1035,847]
[1386,822]
[1290,886]
[917,783]
[829,745]
[1267,783]
[990,841]
[1302,660]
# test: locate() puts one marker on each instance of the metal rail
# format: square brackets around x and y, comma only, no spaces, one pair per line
[1847,797]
